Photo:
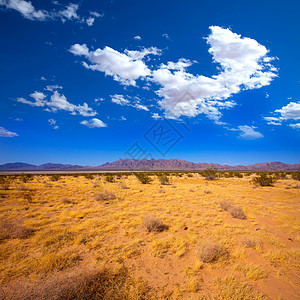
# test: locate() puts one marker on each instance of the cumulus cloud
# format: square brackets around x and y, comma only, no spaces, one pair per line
[94,123]
[288,113]
[243,62]
[291,111]
[57,102]
[137,38]
[125,68]
[248,132]
[5,133]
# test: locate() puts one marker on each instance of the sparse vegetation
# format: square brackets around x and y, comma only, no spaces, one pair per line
[56,242]
[263,180]
[296,175]
[105,196]
[143,178]
[237,212]
[153,224]
[210,174]
[110,178]
[163,178]
[210,251]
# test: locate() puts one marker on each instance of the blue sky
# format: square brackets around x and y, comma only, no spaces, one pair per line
[95,81]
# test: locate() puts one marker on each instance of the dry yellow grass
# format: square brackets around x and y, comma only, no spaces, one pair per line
[71,229]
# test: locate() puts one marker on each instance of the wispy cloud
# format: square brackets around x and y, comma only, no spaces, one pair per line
[248,132]
[5,133]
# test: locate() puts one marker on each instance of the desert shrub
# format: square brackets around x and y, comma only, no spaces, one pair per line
[153,224]
[5,182]
[237,212]
[143,178]
[210,251]
[207,192]
[190,175]
[105,196]
[109,178]
[296,175]
[251,242]
[263,180]
[28,196]
[280,175]
[89,176]
[238,175]
[164,179]
[65,200]
[21,187]
[225,205]
[210,174]
[14,229]
[55,177]
[25,177]
[124,186]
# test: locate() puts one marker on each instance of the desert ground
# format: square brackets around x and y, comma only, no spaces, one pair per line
[109,236]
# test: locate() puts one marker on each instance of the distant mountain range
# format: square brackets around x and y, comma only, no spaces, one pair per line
[152,164]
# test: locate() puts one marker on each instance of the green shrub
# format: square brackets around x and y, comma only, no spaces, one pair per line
[164,179]
[143,178]
[210,174]
[263,180]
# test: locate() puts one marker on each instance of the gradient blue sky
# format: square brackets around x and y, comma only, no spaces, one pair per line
[218,79]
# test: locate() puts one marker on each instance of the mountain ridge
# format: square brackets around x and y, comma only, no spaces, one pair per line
[128,164]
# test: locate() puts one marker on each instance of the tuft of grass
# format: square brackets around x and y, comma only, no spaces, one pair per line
[233,289]
[14,229]
[153,224]
[109,178]
[237,212]
[105,196]
[210,251]
[124,186]
[296,175]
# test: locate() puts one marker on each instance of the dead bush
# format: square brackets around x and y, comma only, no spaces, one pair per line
[14,229]
[250,242]
[237,212]
[21,187]
[65,200]
[210,251]
[105,196]
[225,205]
[153,224]
[207,192]
[124,186]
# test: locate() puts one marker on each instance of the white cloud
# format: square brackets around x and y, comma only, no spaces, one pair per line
[5,133]
[51,88]
[133,102]
[123,67]
[285,114]
[248,132]
[43,78]
[137,38]
[119,99]
[57,102]
[291,111]
[69,13]
[273,120]
[165,35]
[52,122]
[123,118]
[96,14]
[295,126]
[156,116]
[26,9]
[94,123]
[90,21]
[242,67]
